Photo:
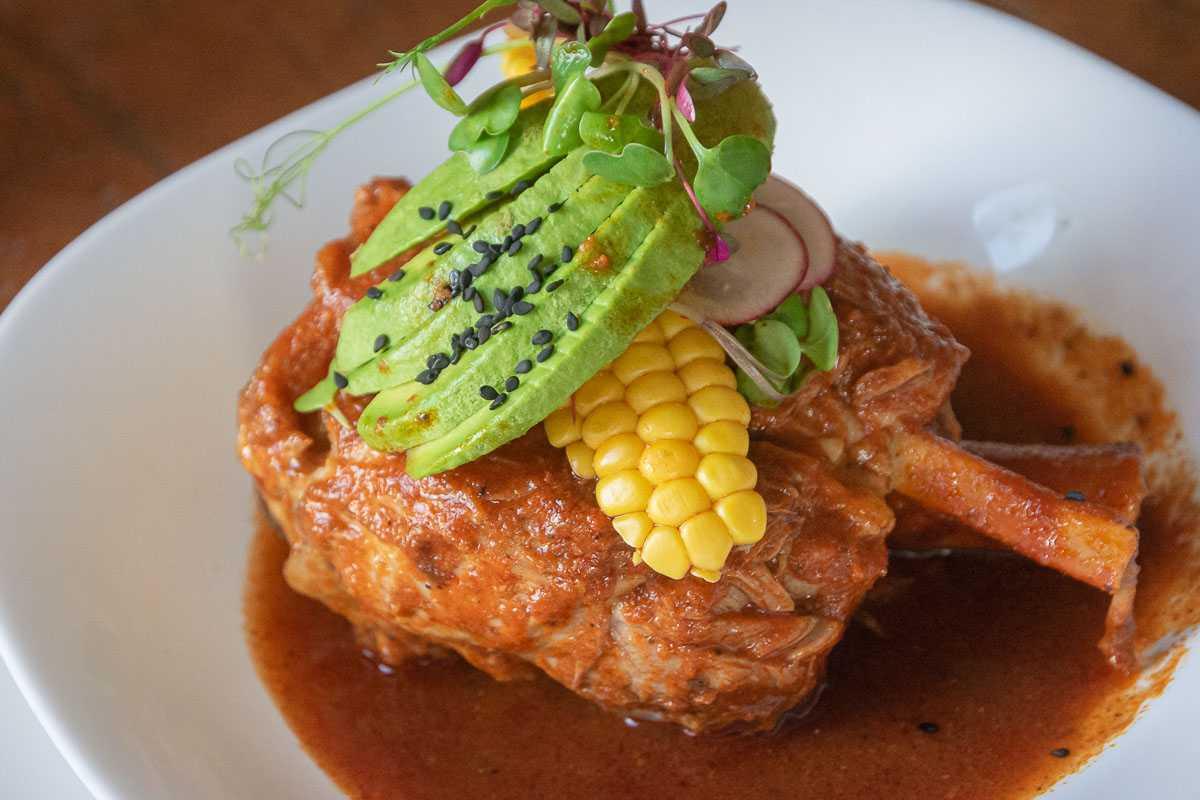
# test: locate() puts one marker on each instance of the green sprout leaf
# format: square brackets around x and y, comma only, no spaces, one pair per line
[729,173]
[487,153]
[561,10]
[561,133]
[568,60]
[793,313]
[821,343]
[494,112]
[402,58]
[636,165]
[785,337]
[611,132]
[775,345]
[436,86]
[618,29]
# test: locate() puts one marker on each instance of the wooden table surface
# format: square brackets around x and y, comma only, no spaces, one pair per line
[100,100]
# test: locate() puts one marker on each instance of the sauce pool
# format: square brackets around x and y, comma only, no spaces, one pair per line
[963,677]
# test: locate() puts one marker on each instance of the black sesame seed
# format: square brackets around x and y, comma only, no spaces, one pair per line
[1060,752]
[518,231]
[522,307]
[550,209]
[426,212]
[374,293]
[441,248]
[381,341]
[495,249]
[488,392]
[516,294]
[1127,367]
[532,226]
[499,401]
[489,257]
[545,353]
[493,195]
[444,209]
[340,380]
[477,302]
[398,275]
[549,270]
[567,253]
[431,360]
[572,321]
[514,248]
[541,337]
[470,342]
[519,187]
[512,383]
[534,263]
[499,299]
[426,377]
[468,231]
[507,241]
[523,366]
[486,321]
[480,246]
[469,292]
[477,269]
[455,276]
[534,286]
[484,334]
[1076,496]
[928,727]
[501,327]
[455,356]
[454,227]
[554,286]
[441,362]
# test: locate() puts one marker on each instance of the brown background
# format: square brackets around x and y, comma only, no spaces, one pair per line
[101,98]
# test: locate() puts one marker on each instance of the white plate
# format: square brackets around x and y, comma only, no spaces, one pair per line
[126,516]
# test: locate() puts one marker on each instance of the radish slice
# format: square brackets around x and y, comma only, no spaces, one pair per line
[806,217]
[769,263]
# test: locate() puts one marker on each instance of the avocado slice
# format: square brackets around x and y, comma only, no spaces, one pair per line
[399,309]
[409,414]
[456,182]
[642,288]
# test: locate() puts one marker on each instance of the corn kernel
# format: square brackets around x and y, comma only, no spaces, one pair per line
[707,541]
[706,372]
[562,427]
[633,528]
[652,333]
[693,343]
[607,421]
[672,323]
[653,388]
[579,456]
[675,501]
[667,421]
[618,453]
[712,576]
[623,493]
[723,436]
[723,474]
[714,403]
[744,514]
[667,460]
[664,552]
[602,388]
[640,359]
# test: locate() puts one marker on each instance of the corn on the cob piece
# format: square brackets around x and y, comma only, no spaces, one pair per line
[664,431]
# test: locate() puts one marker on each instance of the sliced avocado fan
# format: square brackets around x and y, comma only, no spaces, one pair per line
[546,276]
[410,414]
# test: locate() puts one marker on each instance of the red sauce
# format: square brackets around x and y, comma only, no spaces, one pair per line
[998,654]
